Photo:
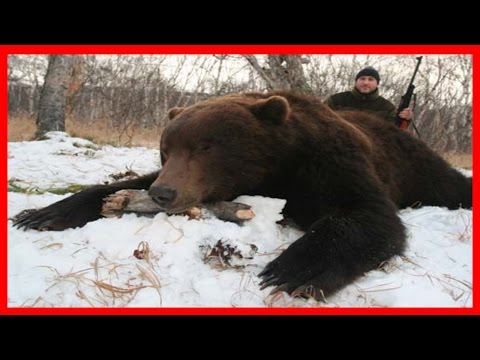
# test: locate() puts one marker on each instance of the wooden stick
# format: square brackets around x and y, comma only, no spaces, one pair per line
[138,201]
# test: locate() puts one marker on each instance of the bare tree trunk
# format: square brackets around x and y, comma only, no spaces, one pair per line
[76,82]
[53,98]
[282,72]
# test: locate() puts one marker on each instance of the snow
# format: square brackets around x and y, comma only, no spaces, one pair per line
[94,265]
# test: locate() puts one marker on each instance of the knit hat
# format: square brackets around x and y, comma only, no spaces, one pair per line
[368,71]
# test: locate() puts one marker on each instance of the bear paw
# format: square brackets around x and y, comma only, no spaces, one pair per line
[301,271]
[42,220]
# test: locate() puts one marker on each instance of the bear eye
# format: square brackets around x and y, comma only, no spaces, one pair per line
[204,147]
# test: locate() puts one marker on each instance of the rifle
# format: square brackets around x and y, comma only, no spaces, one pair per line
[405,102]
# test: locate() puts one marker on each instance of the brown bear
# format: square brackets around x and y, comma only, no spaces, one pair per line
[344,176]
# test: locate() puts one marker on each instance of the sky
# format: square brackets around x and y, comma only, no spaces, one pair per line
[94,266]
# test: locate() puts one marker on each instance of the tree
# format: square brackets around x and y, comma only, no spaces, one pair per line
[53,97]
[282,72]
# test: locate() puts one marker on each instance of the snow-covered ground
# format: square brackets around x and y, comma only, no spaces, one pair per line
[95,266]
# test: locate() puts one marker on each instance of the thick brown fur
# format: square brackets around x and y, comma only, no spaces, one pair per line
[344,176]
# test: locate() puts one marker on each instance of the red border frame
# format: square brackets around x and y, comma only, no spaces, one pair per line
[473,50]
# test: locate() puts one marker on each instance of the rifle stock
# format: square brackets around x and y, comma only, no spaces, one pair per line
[406,98]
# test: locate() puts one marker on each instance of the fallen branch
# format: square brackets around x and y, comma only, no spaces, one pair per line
[138,201]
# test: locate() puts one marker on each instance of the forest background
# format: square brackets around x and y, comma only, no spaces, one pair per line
[122,100]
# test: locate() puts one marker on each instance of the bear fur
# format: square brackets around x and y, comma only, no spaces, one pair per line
[344,176]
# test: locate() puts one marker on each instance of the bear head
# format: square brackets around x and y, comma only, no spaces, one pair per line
[218,149]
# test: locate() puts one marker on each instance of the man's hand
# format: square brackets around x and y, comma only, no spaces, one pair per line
[406,114]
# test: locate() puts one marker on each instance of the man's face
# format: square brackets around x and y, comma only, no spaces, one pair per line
[366,84]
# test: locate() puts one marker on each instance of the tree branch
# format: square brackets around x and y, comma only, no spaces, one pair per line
[138,201]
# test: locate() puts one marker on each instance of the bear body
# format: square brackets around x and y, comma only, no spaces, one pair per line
[344,176]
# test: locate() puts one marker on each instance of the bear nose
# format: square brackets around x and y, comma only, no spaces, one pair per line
[162,195]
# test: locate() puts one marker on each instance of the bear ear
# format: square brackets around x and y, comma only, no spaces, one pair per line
[274,109]
[174,112]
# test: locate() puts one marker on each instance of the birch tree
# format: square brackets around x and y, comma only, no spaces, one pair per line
[53,97]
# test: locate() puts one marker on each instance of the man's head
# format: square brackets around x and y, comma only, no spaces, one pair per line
[367,80]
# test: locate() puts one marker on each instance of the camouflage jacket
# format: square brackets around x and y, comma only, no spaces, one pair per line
[355,100]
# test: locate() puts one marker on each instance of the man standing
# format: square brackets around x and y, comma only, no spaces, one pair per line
[365,96]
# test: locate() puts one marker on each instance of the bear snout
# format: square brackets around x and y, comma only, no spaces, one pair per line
[163,195]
